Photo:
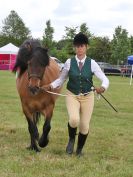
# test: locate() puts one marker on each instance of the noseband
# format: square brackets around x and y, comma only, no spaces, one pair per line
[34,75]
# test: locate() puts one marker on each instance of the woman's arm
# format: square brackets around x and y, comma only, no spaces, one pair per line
[100,74]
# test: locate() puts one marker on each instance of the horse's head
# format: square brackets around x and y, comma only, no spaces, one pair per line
[36,68]
[24,54]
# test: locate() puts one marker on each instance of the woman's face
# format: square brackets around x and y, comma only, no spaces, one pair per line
[81,50]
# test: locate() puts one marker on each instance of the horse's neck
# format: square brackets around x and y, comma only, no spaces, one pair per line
[52,72]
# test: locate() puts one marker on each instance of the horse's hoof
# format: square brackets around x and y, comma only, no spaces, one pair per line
[43,144]
[33,148]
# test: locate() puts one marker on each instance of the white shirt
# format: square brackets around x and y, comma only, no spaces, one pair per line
[95,68]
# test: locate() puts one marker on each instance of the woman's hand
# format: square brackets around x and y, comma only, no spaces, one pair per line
[47,87]
[99,90]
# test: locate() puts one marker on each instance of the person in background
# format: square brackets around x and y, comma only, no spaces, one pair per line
[79,71]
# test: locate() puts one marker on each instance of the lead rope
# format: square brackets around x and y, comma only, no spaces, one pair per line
[59,94]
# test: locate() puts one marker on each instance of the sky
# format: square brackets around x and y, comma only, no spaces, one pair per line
[101,16]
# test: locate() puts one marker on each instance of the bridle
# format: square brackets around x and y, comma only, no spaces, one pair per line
[34,75]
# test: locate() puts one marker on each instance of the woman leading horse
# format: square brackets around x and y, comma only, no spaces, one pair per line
[35,69]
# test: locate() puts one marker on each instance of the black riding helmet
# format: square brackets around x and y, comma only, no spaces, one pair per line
[80,38]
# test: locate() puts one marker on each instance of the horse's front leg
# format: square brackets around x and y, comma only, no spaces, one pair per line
[43,141]
[33,134]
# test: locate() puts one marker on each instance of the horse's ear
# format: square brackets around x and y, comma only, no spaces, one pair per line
[28,46]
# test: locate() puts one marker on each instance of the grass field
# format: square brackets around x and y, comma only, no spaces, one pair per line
[108,151]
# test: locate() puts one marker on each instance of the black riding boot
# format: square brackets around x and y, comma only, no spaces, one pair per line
[81,142]
[72,133]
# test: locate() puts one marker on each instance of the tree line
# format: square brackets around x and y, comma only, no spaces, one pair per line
[114,51]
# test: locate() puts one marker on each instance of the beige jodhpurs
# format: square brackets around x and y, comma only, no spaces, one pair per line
[80,109]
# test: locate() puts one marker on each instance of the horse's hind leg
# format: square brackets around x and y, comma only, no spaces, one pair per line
[34,135]
[43,141]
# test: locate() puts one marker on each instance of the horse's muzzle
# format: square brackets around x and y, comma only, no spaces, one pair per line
[34,90]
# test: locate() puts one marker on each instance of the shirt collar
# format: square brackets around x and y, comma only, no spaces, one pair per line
[78,60]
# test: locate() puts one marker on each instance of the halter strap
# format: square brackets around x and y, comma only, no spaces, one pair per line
[34,75]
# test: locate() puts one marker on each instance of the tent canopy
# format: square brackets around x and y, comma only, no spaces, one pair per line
[8,55]
[9,49]
[130,59]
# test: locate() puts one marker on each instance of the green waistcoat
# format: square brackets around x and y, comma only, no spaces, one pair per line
[78,80]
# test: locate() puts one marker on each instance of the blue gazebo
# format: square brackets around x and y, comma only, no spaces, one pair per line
[130,62]
[130,59]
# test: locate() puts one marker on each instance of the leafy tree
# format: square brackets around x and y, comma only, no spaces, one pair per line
[70,34]
[61,51]
[62,55]
[61,44]
[84,29]
[121,47]
[64,47]
[100,49]
[14,29]
[131,42]
[48,35]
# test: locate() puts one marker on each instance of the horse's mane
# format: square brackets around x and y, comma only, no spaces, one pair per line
[24,55]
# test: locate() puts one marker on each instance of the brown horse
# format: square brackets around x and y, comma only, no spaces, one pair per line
[36,69]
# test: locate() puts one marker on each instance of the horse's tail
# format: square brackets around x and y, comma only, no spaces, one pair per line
[36,117]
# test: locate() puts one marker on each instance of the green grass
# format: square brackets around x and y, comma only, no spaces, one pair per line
[108,151]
